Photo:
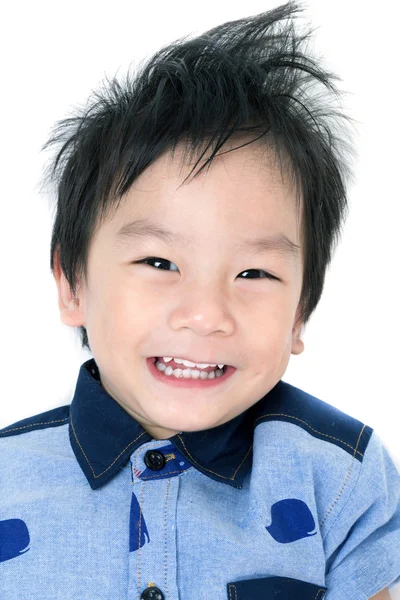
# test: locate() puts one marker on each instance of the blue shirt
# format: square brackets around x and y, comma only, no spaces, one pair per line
[292,499]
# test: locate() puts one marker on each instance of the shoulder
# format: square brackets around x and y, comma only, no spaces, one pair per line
[322,421]
[55,417]
[27,444]
[33,452]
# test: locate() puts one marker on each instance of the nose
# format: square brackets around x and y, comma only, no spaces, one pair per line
[203,308]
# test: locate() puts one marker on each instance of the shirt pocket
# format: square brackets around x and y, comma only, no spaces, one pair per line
[276,588]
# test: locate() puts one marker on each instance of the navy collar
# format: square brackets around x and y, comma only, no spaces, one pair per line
[103,436]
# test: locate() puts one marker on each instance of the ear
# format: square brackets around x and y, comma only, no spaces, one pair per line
[297,332]
[71,307]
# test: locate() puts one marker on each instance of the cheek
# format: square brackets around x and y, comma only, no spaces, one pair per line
[125,316]
[269,343]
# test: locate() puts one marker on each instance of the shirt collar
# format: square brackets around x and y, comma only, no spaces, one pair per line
[103,436]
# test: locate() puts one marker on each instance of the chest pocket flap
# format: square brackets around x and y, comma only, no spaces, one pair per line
[276,588]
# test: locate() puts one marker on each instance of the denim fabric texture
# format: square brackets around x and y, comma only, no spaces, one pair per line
[292,499]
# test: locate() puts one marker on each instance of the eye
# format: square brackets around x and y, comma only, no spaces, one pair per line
[265,274]
[163,261]
[156,261]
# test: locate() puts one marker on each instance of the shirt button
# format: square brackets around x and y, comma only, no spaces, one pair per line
[154,460]
[152,593]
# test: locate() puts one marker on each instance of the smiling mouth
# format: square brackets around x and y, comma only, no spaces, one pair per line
[186,377]
[179,364]
[172,368]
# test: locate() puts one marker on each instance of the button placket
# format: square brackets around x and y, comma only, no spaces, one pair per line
[152,593]
[161,461]
[152,563]
[154,460]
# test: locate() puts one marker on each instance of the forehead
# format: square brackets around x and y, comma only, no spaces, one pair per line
[244,187]
[240,160]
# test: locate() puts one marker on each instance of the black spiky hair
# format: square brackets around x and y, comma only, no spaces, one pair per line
[254,75]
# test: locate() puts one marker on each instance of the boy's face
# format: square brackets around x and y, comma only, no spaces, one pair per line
[210,303]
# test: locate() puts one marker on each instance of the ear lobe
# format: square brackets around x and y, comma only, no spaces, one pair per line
[297,345]
[71,306]
[297,342]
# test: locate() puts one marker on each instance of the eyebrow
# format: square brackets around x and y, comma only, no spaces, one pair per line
[145,229]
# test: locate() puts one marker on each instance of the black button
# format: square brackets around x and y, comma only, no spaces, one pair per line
[154,460]
[152,593]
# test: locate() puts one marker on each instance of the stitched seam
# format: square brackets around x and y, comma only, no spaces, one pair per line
[312,429]
[134,463]
[355,450]
[140,529]
[246,455]
[165,541]
[345,481]
[34,425]
[166,475]
[230,588]
[114,461]
[209,470]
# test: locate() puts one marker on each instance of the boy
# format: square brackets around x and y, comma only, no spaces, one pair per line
[184,467]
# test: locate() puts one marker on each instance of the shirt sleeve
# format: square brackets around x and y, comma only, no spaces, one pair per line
[366,558]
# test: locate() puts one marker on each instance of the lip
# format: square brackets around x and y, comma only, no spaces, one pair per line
[187,383]
[210,362]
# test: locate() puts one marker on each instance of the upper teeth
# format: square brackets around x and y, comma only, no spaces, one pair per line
[188,363]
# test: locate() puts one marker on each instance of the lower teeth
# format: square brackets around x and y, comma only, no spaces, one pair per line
[187,373]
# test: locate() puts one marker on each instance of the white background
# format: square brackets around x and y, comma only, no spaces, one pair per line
[54,54]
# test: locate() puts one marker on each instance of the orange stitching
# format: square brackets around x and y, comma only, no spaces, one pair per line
[109,467]
[148,477]
[166,475]
[209,470]
[34,425]
[316,431]
[345,481]
[134,464]
[165,541]
[234,589]
[140,529]
[274,415]
[247,453]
